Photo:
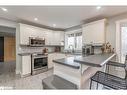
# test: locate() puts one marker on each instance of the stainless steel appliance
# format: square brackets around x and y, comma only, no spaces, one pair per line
[87,49]
[36,41]
[39,63]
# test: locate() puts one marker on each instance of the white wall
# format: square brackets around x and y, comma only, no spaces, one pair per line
[111,28]
[18,58]
[8,23]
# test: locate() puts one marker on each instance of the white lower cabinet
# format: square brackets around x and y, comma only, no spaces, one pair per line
[26,65]
[50,58]
[54,56]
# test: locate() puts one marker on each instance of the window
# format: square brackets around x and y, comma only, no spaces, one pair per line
[74,41]
[78,41]
[71,41]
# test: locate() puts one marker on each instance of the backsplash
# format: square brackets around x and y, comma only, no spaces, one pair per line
[97,50]
[35,49]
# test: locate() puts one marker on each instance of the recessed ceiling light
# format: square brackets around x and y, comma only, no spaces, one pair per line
[54,25]
[4,9]
[98,7]
[36,19]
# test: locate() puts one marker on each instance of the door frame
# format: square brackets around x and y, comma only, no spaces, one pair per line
[118,38]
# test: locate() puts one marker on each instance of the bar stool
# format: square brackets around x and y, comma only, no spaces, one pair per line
[110,80]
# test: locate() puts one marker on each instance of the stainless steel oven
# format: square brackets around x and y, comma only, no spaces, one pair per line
[39,63]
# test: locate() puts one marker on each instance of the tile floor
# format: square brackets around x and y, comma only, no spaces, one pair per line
[8,79]
[30,82]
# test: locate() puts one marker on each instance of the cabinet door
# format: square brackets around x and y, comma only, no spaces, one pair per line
[50,60]
[41,33]
[25,33]
[94,32]
[62,35]
[54,56]
[26,65]
[49,37]
[58,37]
[55,38]
[60,55]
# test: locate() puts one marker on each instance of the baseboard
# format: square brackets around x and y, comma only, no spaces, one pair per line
[26,75]
[17,72]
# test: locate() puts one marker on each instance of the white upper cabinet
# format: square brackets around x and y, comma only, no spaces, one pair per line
[58,37]
[27,31]
[94,32]
[48,37]
[62,36]
[51,37]
[54,37]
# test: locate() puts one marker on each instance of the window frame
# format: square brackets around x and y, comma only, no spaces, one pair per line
[69,33]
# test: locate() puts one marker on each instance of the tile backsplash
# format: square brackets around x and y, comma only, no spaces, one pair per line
[35,49]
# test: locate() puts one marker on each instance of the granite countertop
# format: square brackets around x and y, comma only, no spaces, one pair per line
[97,60]
[23,54]
[68,62]
[29,53]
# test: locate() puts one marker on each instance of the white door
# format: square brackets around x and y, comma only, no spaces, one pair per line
[123,43]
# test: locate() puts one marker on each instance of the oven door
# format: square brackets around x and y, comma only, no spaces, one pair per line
[39,63]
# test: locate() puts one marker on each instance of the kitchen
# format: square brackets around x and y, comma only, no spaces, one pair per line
[38,49]
[47,40]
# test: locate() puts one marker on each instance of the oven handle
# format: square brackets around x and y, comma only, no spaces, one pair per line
[39,57]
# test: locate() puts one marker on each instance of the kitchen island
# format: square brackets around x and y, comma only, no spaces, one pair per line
[79,69]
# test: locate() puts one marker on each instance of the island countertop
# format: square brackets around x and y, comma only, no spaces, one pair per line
[68,62]
[97,60]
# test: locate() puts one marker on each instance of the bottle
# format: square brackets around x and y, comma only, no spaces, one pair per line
[113,51]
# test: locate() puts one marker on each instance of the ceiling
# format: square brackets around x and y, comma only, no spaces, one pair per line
[7,31]
[63,16]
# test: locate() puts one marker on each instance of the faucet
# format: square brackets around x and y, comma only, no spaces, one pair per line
[72,49]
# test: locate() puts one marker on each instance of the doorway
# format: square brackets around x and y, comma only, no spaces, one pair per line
[123,43]
[7,51]
[1,49]
[7,44]
[121,39]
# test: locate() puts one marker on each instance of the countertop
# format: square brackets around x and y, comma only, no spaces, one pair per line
[68,62]
[30,53]
[97,60]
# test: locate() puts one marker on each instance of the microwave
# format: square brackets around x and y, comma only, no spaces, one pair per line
[36,41]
